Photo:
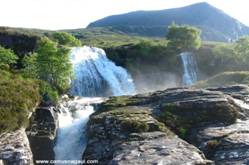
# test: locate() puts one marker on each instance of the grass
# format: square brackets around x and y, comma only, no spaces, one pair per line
[106,38]
[225,78]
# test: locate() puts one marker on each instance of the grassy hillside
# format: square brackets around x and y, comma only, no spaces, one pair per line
[225,78]
[104,37]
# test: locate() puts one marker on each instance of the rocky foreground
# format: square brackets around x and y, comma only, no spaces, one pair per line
[174,126]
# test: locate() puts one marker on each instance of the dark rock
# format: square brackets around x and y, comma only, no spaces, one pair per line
[42,132]
[15,149]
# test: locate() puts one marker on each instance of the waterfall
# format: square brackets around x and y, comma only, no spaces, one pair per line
[190,68]
[71,135]
[96,75]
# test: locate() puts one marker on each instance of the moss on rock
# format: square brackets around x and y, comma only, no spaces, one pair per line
[182,117]
[129,120]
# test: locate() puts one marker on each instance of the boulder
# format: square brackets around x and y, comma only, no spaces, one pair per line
[15,148]
[42,132]
[131,135]
[183,108]
[143,129]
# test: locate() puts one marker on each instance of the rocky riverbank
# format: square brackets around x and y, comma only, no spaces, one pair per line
[15,148]
[175,126]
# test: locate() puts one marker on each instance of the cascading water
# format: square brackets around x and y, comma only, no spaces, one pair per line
[95,75]
[73,117]
[190,68]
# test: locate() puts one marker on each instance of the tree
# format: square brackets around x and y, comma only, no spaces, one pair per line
[64,38]
[30,65]
[183,37]
[7,57]
[53,64]
[241,48]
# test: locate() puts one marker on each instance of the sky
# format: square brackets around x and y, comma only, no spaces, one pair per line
[72,14]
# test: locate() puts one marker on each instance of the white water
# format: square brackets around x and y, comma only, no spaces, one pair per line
[71,135]
[190,68]
[96,75]
[241,103]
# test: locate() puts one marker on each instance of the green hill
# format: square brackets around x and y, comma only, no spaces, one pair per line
[213,22]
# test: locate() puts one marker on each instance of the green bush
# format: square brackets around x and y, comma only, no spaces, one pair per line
[64,38]
[18,97]
[184,37]
[7,57]
[48,94]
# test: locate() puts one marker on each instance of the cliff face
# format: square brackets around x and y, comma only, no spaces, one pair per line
[175,126]
[20,43]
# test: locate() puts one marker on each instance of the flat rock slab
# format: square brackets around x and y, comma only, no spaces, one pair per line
[159,150]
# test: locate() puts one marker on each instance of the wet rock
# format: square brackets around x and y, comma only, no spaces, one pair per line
[15,148]
[42,132]
[224,144]
[236,91]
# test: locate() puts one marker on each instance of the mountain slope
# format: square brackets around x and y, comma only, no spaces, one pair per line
[215,24]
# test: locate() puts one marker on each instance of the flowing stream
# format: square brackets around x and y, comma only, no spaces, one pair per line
[95,76]
[190,68]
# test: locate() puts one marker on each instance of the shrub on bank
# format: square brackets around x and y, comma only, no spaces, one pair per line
[18,97]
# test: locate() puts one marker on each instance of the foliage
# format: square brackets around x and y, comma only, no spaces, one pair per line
[184,37]
[49,95]
[30,66]
[18,97]
[53,64]
[242,48]
[64,38]
[7,56]
[214,58]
